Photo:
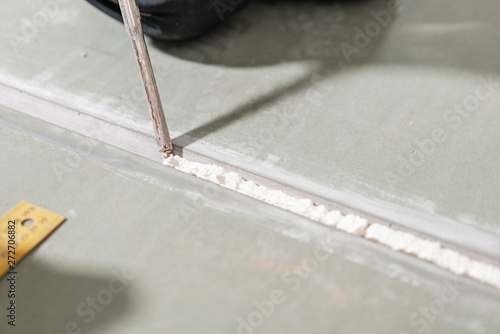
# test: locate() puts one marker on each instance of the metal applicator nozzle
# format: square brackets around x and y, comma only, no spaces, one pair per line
[132,20]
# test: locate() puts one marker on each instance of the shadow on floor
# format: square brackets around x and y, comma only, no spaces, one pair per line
[51,301]
[323,33]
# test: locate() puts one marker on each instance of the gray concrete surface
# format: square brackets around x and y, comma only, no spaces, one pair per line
[272,92]
[196,258]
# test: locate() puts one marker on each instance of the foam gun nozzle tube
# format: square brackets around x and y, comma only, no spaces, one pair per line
[132,20]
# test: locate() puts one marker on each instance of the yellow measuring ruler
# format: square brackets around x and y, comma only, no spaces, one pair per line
[21,229]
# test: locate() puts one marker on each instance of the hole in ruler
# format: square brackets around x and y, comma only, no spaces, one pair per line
[28,222]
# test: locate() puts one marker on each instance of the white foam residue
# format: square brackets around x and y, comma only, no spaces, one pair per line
[431,251]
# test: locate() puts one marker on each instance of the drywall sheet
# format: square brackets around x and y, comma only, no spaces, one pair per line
[146,248]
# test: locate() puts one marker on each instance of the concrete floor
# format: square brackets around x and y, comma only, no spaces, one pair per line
[197,256]
[271,93]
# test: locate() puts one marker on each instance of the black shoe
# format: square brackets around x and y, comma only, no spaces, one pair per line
[176,19]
